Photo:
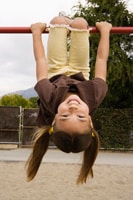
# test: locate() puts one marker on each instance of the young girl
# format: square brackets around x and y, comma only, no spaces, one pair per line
[67,98]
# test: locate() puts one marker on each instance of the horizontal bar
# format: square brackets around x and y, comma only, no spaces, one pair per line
[121,30]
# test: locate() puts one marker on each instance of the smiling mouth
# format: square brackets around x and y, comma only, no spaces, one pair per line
[73,101]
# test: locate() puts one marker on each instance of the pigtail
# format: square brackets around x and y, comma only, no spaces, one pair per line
[40,146]
[89,158]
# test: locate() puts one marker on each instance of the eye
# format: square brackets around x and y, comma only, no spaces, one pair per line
[81,116]
[65,115]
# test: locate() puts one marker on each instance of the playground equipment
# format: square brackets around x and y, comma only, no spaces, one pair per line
[4,30]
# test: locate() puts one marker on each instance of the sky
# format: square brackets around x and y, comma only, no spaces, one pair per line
[17,64]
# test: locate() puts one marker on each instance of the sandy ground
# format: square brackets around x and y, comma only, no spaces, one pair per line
[56,178]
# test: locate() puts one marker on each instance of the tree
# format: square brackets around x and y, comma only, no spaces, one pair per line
[120,62]
[33,101]
[15,100]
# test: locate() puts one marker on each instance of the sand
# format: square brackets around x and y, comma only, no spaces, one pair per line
[57,181]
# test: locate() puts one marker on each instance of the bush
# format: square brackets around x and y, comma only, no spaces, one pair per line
[115,127]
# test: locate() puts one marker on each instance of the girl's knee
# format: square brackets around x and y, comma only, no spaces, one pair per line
[60,20]
[79,23]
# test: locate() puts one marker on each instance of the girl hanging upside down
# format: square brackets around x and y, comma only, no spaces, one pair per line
[67,98]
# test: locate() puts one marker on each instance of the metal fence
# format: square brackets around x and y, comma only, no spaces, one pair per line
[17,125]
[29,125]
[10,125]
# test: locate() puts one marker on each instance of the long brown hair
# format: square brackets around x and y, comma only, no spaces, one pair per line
[89,158]
[87,142]
[40,146]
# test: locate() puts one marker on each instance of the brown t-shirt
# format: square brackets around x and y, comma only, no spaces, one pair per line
[52,92]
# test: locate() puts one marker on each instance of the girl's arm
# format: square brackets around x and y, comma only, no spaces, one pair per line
[103,50]
[39,53]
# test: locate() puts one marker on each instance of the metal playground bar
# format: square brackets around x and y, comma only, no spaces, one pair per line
[122,30]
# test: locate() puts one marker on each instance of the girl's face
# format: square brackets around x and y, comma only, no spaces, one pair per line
[73,115]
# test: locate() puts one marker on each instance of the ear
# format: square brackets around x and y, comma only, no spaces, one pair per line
[53,122]
[91,123]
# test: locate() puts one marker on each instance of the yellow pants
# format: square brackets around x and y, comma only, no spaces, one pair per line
[62,61]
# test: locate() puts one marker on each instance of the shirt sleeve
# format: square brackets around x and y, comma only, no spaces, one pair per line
[44,89]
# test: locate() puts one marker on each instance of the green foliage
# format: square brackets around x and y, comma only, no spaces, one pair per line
[15,100]
[120,62]
[114,127]
[33,101]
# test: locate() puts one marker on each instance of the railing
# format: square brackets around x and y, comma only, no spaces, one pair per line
[123,30]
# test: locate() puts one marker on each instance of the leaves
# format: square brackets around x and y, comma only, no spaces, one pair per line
[114,127]
[15,100]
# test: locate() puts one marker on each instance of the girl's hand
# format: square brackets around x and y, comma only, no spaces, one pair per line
[38,27]
[103,26]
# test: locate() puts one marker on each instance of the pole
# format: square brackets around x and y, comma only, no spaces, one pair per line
[122,30]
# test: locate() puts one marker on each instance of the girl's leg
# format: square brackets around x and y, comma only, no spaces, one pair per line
[57,45]
[79,48]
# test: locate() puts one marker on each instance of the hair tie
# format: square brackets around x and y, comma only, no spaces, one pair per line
[93,135]
[50,130]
